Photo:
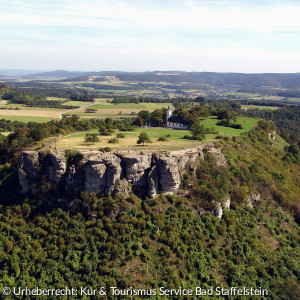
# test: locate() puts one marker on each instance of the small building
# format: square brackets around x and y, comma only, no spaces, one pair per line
[175,122]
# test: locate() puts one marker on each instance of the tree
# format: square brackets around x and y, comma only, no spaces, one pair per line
[144,138]
[145,116]
[158,117]
[198,131]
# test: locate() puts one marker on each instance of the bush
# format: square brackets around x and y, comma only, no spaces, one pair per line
[113,141]
[164,138]
[91,138]
[73,157]
[105,149]
[120,136]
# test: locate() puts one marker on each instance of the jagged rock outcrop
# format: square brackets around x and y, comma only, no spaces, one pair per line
[152,182]
[218,210]
[27,170]
[149,174]
[217,154]
[169,172]
[227,202]
[136,167]
[252,199]
[101,172]
[55,166]
[219,207]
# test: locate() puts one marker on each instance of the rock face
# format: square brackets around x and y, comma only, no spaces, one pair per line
[217,154]
[27,164]
[252,199]
[55,167]
[147,174]
[218,210]
[136,167]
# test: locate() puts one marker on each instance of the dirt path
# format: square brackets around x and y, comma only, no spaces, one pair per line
[75,109]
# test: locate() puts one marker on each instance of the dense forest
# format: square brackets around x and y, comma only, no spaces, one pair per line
[35,93]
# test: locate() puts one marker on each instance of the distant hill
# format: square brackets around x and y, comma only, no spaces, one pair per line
[239,80]
[283,80]
[58,74]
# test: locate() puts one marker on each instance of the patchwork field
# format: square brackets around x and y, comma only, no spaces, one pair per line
[103,107]
[116,111]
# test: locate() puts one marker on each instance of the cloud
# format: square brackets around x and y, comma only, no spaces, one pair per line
[153,27]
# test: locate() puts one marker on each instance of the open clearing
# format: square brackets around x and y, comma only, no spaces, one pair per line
[247,124]
[175,141]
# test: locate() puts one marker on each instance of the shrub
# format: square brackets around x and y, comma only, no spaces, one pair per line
[120,135]
[105,149]
[163,138]
[91,138]
[113,141]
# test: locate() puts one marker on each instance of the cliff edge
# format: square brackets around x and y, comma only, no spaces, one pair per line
[107,173]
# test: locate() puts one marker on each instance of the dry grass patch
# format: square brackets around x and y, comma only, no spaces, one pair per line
[76,142]
[48,113]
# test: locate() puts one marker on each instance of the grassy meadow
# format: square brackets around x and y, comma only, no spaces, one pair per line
[175,140]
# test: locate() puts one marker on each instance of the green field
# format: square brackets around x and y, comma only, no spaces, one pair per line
[247,124]
[259,107]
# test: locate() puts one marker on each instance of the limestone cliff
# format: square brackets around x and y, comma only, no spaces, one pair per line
[107,173]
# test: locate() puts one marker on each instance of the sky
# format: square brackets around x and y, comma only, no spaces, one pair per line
[136,35]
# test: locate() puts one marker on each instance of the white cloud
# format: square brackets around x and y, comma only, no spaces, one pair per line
[181,30]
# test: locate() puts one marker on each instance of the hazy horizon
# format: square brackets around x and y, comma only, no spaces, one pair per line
[24,72]
[136,36]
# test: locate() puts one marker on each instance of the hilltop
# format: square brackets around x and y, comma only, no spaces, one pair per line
[226,225]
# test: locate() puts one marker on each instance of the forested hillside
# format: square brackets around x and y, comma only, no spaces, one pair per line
[172,240]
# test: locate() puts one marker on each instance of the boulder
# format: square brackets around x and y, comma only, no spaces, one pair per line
[218,210]
[226,203]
